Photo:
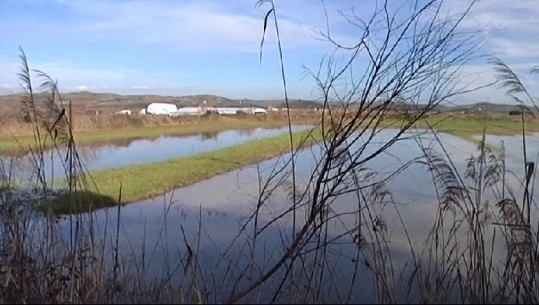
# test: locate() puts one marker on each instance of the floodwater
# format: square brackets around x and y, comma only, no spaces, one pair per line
[122,153]
[513,146]
[215,216]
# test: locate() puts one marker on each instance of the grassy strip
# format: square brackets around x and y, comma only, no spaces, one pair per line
[153,179]
[104,135]
[470,129]
[467,128]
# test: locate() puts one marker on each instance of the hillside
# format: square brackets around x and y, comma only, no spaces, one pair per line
[88,101]
[489,107]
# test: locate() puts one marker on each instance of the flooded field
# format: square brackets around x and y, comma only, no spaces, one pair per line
[214,214]
[215,218]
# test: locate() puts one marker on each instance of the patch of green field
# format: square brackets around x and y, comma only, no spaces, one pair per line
[464,128]
[467,128]
[153,179]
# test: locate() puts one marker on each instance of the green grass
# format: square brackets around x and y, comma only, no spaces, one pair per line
[8,143]
[468,128]
[153,179]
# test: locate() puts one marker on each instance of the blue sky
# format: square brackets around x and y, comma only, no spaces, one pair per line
[185,47]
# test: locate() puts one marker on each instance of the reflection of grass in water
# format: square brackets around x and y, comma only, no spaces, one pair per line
[79,202]
[470,138]
[209,135]
[464,128]
[106,135]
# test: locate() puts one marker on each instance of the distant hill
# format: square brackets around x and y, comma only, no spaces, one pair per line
[293,103]
[84,101]
[489,107]
[207,100]
[302,104]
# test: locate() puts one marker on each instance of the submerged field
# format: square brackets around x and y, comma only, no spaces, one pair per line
[381,171]
[208,219]
[215,197]
[205,225]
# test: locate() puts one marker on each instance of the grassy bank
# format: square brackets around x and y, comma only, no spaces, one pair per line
[468,128]
[10,143]
[153,179]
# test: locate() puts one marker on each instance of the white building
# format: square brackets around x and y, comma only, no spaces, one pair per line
[236,110]
[258,111]
[226,110]
[172,110]
[189,111]
[161,108]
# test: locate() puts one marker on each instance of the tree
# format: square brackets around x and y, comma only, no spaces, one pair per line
[410,51]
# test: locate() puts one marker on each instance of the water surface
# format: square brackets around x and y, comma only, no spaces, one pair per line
[213,215]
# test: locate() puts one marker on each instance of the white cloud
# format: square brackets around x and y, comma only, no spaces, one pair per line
[91,88]
[511,48]
[69,75]
[511,27]
[199,25]
[7,89]
[230,26]
[70,72]
[140,87]
[481,79]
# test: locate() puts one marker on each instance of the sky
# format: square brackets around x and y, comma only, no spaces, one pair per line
[185,47]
